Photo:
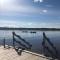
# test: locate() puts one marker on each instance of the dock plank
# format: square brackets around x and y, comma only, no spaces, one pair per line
[11,54]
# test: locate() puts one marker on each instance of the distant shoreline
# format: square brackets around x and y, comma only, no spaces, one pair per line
[40,29]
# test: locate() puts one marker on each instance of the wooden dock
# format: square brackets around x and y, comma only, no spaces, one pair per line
[11,54]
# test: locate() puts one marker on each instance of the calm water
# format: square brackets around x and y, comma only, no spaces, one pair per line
[34,39]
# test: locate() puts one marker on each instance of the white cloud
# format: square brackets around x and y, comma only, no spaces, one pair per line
[8,23]
[45,11]
[38,0]
[41,0]
[11,23]
[18,8]
[14,7]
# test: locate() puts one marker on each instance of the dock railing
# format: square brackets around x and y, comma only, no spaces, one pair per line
[20,42]
[45,47]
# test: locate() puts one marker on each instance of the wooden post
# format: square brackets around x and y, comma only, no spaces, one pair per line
[13,38]
[4,42]
[43,43]
[47,48]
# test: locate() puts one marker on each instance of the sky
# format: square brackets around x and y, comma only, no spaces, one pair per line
[30,13]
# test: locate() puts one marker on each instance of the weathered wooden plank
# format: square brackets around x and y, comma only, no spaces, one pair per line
[11,54]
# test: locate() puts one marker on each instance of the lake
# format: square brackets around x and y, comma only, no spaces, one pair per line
[35,39]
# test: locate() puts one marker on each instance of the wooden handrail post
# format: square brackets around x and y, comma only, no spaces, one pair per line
[45,38]
[43,43]
[13,38]
[19,42]
[4,42]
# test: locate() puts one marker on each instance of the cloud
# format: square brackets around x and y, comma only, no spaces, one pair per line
[38,0]
[49,6]
[18,8]
[11,23]
[8,23]
[14,6]
[41,0]
[45,11]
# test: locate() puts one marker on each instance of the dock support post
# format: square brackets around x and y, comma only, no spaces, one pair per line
[13,39]
[43,43]
[4,42]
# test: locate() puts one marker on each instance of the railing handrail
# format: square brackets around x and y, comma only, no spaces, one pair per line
[14,40]
[22,39]
[21,44]
[45,38]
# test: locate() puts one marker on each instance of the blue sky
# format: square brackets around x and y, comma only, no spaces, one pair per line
[30,13]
